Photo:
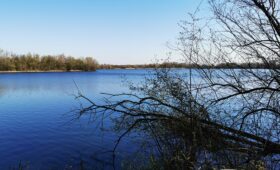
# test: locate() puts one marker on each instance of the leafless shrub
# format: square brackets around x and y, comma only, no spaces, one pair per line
[205,117]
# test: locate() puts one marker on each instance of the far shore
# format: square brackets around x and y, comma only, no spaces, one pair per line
[43,71]
[131,68]
[135,67]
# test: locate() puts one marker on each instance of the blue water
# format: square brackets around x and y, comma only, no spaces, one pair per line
[39,128]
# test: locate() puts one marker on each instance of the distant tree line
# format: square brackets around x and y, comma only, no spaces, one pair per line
[30,62]
[35,62]
[142,66]
[231,65]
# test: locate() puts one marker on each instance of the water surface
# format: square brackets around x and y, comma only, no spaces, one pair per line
[38,126]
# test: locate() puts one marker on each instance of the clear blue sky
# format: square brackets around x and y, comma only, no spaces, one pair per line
[112,31]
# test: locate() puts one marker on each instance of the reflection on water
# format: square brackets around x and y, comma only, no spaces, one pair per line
[2,90]
[37,127]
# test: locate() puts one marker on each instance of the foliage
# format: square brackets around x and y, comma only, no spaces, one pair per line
[29,62]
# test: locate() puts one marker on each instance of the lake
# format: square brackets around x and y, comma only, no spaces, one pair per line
[39,128]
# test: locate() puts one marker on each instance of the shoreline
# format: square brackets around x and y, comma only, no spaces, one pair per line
[73,71]
[42,71]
